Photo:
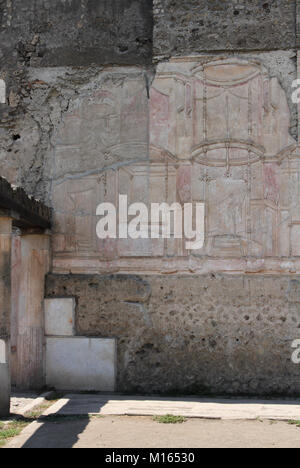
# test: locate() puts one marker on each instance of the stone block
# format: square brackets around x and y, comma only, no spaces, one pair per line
[2,92]
[60,317]
[3,356]
[4,379]
[79,363]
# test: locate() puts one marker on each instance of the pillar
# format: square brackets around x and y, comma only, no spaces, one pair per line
[31,260]
[5,312]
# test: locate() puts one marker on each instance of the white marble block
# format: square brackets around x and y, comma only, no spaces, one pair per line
[2,92]
[60,317]
[3,359]
[79,363]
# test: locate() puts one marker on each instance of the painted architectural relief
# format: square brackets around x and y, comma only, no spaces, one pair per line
[219,135]
[104,126]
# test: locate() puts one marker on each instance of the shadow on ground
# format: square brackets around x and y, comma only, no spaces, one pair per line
[58,435]
[61,430]
[70,417]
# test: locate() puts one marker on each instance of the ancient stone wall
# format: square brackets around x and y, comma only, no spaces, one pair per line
[193,334]
[54,35]
[198,109]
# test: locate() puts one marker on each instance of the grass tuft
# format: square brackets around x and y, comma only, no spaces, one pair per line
[169,419]
[14,426]
[294,423]
[10,429]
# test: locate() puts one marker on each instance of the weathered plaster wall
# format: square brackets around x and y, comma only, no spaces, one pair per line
[198,334]
[78,76]
[211,129]
[43,142]
[270,29]
[92,34]
[61,33]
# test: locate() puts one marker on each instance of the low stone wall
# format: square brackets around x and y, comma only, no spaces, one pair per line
[212,334]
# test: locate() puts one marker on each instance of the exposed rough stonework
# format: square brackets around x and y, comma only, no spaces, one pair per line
[77,32]
[27,124]
[194,26]
[204,334]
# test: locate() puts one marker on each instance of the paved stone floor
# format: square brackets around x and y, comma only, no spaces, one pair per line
[19,401]
[117,421]
[189,407]
[143,432]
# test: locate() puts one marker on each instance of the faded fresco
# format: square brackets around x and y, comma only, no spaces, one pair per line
[210,131]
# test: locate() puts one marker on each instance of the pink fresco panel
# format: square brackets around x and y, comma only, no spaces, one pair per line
[271,183]
[108,248]
[224,123]
[159,119]
[184,184]
[134,112]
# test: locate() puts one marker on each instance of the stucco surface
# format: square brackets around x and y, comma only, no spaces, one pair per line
[210,129]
